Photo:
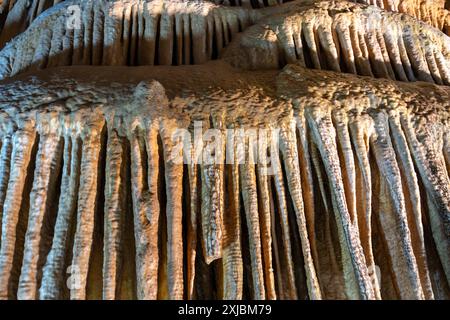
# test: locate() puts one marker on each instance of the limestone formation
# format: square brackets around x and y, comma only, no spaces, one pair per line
[433,12]
[131,147]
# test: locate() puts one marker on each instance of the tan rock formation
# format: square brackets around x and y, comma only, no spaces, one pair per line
[103,195]
[349,38]
[432,12]
[339,36]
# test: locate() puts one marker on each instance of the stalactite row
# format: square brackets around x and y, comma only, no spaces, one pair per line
[17,15]
[346,37]
[430,11]
[339,36]
[387,4]
[356,204]
[124,33]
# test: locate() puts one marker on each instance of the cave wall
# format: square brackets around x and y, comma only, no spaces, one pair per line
[354,203]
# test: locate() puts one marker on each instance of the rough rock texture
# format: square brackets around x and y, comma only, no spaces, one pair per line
[346,37]
[17,15]
[433,12]
[353,204]
[125,33]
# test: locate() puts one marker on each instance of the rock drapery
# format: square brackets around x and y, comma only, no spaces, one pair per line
[358,203]
[339,36]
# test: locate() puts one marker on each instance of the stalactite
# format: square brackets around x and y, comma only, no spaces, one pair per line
[192,227]
[266,231]
[290,289]
[355,269]
[359,135]
[334,271]
[5,163]
[212,208]
[291,161]
[306,174]
[114,215]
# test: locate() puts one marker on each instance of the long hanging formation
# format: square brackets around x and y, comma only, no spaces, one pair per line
[107,190]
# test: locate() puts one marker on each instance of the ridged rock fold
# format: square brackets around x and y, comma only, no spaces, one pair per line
[254,149]
[360,160]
